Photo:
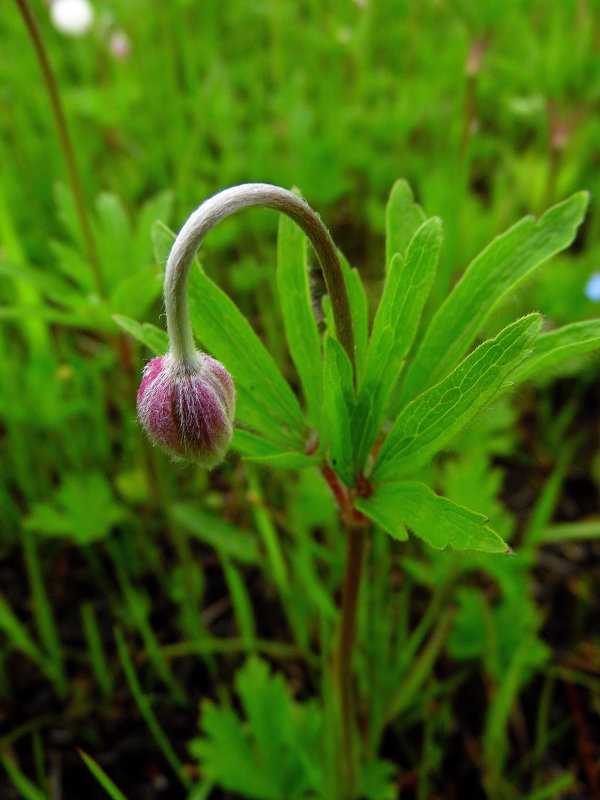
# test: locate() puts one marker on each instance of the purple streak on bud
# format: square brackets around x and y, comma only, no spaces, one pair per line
[187,409]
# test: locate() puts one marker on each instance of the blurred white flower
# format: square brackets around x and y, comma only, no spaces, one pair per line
[592,287]
[119,45]
[72,17]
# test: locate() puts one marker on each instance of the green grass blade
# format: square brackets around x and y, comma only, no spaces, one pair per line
[555,347]
[102,778]
[492,276]
[146,711]
[437,520]
[430,421]
[93,637]
[28,790]
[298,318]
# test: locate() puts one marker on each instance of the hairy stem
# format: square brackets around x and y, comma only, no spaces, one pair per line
[342,664]
[223,205]
[65,142]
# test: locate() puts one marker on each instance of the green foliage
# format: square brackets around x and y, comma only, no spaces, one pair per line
[276,751]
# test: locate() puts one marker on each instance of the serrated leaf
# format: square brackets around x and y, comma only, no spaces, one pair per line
[149,335]
[406,290]
[298,318]
[227,335]
[338,400]
[261,451]
[428,423]
[403,217]
[492,276]
[555,347]
[437,520]
[274,753]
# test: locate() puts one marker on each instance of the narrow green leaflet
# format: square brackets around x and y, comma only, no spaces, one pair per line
[403,217]
[406,290]
[555,347]
[360,314]
[299,321]
[428,423]
[149,335]
[226,334]
[437,520]
[214,531]
[255,448]
[494,274]
[338,398]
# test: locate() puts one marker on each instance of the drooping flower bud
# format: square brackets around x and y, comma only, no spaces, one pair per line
[187,408]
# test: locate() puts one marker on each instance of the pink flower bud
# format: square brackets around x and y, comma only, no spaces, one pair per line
[187,409]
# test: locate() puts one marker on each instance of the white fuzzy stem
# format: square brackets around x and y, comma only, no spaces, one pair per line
[223,205]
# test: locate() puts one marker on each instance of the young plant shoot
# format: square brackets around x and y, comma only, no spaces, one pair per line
[377,408]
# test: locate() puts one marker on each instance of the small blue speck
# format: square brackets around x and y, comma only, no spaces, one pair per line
[592,287]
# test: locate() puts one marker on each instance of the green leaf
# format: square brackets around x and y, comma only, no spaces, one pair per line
[406,289]
[274,753]
[298,318]
[149,335]
[83,509]
[359,311]
[338,408]
[555,347]
[162,241]
[226,333]
[216,532]
[437,520]
[255,448]
[403,217]
[492,276]
[428,423]
[102,778]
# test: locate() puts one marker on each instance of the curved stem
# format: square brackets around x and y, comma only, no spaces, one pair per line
[65,143]
[223,205]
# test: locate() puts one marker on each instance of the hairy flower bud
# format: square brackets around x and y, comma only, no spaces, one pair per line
[187,408]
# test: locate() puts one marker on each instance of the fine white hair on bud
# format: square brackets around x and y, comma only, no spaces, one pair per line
[188,409]
[72,17]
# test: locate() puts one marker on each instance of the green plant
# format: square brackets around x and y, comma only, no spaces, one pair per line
[378,406]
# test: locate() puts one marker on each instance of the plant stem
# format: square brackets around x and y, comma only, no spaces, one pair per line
[342,663]
[223,205]
[65,143]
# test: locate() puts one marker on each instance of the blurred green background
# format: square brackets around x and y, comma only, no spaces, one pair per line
[490,111]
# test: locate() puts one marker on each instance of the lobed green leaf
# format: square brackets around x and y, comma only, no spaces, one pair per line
[428,423]
[555,347]
[494,274]
[437,520]
[406,290]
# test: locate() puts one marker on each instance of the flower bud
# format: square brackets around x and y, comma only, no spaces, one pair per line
[187,409]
